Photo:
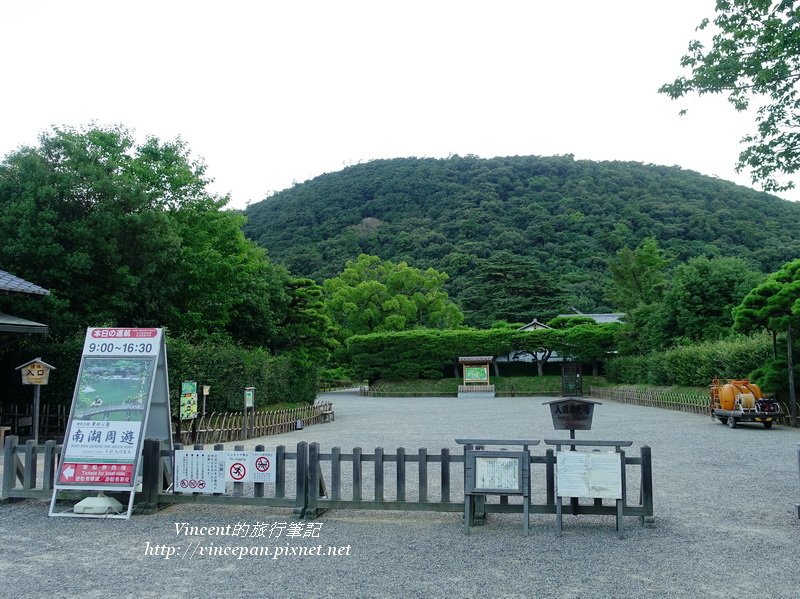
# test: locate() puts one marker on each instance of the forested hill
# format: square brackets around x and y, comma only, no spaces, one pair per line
[527,224]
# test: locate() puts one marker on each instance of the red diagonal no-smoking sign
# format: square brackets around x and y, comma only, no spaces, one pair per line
[262,464]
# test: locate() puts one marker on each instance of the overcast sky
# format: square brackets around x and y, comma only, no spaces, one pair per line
[271,93]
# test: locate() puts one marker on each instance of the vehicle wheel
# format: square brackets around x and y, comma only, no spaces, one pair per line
[768,424]
[722,419]
[731,422]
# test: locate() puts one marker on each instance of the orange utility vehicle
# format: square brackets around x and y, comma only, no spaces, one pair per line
[742,401]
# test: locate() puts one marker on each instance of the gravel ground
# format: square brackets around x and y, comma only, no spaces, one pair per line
[726,524]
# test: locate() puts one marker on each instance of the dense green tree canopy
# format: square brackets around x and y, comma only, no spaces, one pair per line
[373,295]
[698,304]
[637,276]
[566,218]
[774,304]
[753,56]
[127,234]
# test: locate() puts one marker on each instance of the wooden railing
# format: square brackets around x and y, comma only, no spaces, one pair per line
[404,480]
[221,427]
[684,402]
[52,419]
[696,404]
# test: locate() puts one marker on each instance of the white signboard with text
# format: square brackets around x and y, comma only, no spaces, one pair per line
[208,471]
[597,475]
[121,389]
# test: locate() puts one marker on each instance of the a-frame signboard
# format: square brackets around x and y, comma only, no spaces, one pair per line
[121,397]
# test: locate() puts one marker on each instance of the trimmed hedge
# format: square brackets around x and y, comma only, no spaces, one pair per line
[693,365]
[427,353]
[228,368]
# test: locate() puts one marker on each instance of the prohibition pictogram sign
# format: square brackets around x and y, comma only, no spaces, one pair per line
[201,484]
[238,471]
[192,483]
[184,483]
[262,464]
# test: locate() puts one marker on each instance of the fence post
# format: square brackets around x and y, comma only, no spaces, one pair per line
[258,488]
[151,475]
[647,486]
[301,493]
[445,474]
[379,474]
[550,468]
[280,471]
[401,474]
[336,473]
[9,467]
[238,488]
[29,478]
[357,474]
[48,467]
[313,485]
[422,456]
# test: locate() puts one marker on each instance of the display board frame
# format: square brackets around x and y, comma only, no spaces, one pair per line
[116,357]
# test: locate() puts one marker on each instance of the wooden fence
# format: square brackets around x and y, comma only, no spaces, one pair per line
[52,419]
[685,402]
[400,480]
[696,404]
[217,427]
[221,427]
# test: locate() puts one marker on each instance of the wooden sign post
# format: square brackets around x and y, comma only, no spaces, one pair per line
[36,372]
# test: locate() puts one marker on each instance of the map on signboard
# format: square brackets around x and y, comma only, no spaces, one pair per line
[597,475]
[476,374]
[497,473]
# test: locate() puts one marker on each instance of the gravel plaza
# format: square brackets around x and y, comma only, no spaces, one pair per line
[725,522]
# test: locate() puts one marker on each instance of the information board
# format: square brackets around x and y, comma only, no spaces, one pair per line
[476,374]
[188,408]
[208,471]
[121,395]
[596,475]
[199,472]
[497,473]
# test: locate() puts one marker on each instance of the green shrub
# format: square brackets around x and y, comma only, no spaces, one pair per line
[694,365]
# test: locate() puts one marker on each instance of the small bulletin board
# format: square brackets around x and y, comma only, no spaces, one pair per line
[496,473]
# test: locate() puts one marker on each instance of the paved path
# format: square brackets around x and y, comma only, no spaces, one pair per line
[724,506]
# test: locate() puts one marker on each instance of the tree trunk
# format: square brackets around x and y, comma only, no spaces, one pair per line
[792,396]
[595,367]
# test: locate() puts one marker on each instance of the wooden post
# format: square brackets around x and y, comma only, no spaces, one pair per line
[49,465]
[647,486]
[423,474]
[550,469]
[151,456]
[29,478]
[9,469]
[238,488]
[356,474]
[312,488]
[445,474]
[219,447]
[336,474]
[280,471]
[379,474]
[401,474]
[301,481]
[258,488]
